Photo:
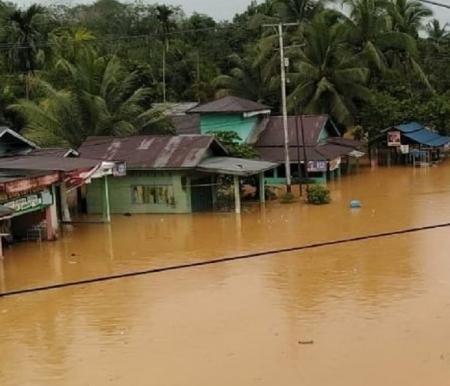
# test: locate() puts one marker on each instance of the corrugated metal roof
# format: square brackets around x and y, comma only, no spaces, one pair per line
[152,151]
[419,133]
[426,137]
[229,104]
[321,152]
[54,152]
[273,135]
[46,163]
[235,166]
[409,127]
[170,109]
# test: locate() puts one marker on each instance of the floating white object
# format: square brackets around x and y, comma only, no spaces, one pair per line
[354,204]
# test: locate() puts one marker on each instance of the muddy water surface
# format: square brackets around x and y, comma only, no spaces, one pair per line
[374,312]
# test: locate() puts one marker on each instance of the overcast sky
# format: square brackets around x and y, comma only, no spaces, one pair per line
[219,9]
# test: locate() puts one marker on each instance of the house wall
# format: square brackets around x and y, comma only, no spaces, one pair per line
[228,122]
[122,193]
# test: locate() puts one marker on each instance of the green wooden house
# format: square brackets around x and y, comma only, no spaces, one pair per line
[230,113]
[165,174]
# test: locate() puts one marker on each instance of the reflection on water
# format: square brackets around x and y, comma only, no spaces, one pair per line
[378,310]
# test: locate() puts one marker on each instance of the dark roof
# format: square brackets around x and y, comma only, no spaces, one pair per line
[229,104]
[235,166]
[55,152]
[353,143]
[178,108]
[186,124]
[46,163]
[321,152]
[14,143]
[312,126]
[152,151]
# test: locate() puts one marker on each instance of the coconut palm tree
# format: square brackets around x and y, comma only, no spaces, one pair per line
[23,38]
[298,10]
[164,15]
[407,16]
[244,79]
[100,98]
[328,77]
[370,31]
[437,33]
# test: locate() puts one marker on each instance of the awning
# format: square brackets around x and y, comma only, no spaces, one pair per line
[235,166]
[5,212]
[428,138]
[418,133]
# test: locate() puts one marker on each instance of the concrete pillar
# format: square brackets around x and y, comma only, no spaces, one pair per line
[65,212]
[262,191]
[237,195]
[106,204]
[51,218]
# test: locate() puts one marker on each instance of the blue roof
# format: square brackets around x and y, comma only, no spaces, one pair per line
[409,127]
[420,134]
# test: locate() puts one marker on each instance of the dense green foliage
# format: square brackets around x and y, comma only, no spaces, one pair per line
[233,143]
[318,195]
[67,72]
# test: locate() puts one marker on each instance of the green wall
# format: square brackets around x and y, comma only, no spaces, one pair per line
[228,122]
[120,193]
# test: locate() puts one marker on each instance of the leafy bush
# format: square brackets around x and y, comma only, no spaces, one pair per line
[287,198]
[318,195]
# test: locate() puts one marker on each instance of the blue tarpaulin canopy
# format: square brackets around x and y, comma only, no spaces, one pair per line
[420,134]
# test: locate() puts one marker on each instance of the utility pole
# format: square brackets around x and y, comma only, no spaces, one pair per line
[279,27]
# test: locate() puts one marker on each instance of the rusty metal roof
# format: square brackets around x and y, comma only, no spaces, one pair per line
[55,152]
[321,152]
[46,163]
[229,104]
[153,151]
[312,127]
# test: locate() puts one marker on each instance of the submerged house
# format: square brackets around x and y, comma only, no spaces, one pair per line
[230,113]
[33,185]
[166,174]
[409,143]
[326,153]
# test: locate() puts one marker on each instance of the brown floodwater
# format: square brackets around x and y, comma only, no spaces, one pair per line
[374,312]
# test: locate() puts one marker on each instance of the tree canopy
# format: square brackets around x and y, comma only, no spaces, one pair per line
[71,71]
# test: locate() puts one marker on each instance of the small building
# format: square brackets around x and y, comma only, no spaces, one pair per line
[33,185]
[166,174]
[230,113]
[408,144]
[327,154]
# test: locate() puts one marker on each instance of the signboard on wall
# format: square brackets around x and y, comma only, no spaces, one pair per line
[30,202]
[394,138]
[317,166]
[119,169]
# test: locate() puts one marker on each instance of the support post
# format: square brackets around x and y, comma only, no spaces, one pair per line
[51,218]
[262,190]
[65,212]
[237,195]
[106,204]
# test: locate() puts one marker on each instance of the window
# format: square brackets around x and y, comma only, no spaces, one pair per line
[152,194]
